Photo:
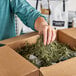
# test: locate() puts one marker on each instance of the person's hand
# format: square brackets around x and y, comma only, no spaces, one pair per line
[48,32]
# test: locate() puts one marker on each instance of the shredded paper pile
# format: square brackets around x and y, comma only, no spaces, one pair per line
[41,55]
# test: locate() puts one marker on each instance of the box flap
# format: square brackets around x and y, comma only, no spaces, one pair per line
[66,68]
[71,32]
[20,41]
[67,36]
[17,38]
[12,64]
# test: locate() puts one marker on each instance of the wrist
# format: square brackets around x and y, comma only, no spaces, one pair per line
[40,25]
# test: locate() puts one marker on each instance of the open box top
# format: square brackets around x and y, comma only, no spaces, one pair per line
[12,64]
[20,41]
[67,36]
[65,68]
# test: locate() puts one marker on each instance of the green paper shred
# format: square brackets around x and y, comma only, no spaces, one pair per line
[41,55]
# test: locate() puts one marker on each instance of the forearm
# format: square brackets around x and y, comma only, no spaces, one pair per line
[43,28]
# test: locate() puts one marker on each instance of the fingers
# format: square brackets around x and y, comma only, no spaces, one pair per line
[49,34]
[45,34]
[54,35]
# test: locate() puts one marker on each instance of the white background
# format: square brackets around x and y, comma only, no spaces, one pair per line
[72,5]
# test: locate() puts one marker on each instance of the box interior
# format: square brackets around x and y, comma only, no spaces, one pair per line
[59,69]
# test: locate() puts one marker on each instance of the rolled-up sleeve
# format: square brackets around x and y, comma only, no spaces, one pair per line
[25,12]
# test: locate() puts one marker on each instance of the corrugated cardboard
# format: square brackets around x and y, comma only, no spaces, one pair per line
[67,36]
[18,38]
[12,64]
[65,68]
[20,41]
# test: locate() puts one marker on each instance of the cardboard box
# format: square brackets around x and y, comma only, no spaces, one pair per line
[65,68]
[19,41]
[67,36]
[12,64]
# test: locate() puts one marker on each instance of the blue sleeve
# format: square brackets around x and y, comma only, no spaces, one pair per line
[25,12]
